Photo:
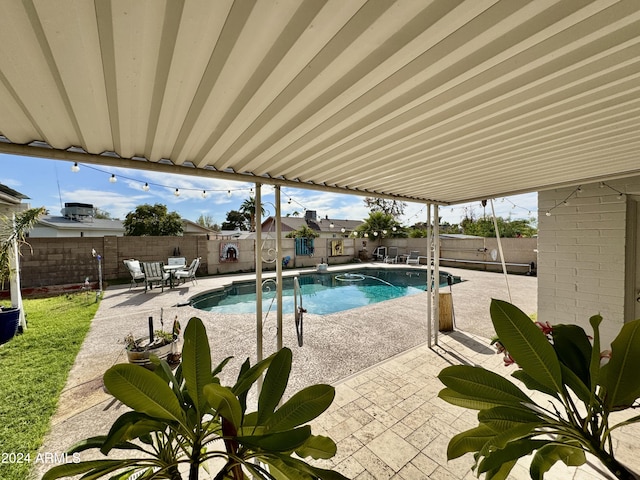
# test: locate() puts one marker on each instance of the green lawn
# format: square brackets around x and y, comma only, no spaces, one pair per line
[34,369]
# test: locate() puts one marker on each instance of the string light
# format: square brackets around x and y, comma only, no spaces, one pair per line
[514,206]
[177,192]
[578,190]
[620,194]
[146,187]
[564,202]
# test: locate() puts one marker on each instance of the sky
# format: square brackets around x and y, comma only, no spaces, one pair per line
[51,183]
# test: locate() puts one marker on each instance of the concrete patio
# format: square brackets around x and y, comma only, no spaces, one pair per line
[386,419]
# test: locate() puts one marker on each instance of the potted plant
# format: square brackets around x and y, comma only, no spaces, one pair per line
[13,232]
[160,344]
[180,421]
[584,389]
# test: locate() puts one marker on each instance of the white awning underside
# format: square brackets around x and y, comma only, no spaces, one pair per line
[445,101]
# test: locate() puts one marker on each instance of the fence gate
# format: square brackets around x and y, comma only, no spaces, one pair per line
[304,246]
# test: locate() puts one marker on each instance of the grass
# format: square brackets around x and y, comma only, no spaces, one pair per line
[35,366]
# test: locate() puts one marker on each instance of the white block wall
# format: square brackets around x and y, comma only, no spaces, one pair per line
[581,255]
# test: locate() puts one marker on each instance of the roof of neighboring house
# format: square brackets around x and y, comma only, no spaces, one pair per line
[319,224]
[10,196]
[62,223]
[194,227]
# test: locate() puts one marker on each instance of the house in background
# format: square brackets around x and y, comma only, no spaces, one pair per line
[78,220]
[11,201]
[325,227]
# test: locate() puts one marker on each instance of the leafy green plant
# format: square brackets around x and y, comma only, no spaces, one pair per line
[15,231]
[188,418]
[562,363]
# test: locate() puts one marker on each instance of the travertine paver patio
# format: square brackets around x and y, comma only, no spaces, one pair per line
[386,418]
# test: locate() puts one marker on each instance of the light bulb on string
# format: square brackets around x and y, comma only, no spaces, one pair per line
[75,168]
[113,179]
[204,194]
[229,193]
[177,192]
[145,187]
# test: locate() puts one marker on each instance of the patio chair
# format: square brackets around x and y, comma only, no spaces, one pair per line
[136,272]
[189,273]
[380,253]
[154,273]
[392,255]
[413,258]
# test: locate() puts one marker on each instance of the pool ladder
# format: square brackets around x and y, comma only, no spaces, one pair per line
[298,310]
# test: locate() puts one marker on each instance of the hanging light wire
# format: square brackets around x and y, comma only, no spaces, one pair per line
[147,185]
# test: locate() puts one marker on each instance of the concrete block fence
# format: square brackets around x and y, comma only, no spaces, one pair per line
[69,261]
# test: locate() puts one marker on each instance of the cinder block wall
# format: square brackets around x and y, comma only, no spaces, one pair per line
[581,255]
[61,261]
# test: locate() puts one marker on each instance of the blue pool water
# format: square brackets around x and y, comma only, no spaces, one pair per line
[322,293]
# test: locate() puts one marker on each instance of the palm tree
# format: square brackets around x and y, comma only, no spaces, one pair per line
[248,207]
[13,232]
[379,225]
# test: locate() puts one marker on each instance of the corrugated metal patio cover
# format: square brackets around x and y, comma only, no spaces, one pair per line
[438,100]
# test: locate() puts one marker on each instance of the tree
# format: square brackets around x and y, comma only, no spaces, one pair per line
[236,221]
[207,221]
[148,220]
[303,232]
[102,214]
[380,225]
[248,208]
[395,208]
[13,232]
[484,227]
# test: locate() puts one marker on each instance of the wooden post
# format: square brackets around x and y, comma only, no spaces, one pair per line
[445,303]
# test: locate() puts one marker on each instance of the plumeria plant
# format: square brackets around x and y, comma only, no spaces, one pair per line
[583,389]
[184,423]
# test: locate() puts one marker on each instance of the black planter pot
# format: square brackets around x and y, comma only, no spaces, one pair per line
[9,319]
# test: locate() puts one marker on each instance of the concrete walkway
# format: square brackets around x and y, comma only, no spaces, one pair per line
[386,418]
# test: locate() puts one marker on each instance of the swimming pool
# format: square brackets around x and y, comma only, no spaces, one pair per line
[322,293]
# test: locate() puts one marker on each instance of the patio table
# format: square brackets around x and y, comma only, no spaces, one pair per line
[171,269]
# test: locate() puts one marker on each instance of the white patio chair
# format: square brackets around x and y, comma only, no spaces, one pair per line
[136,272]
[189,273]
[380,253]
[413,258]
[392,256]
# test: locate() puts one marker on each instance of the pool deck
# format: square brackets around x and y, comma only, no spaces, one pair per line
[386,419]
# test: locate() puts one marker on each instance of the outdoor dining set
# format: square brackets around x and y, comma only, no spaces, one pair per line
[162,274]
